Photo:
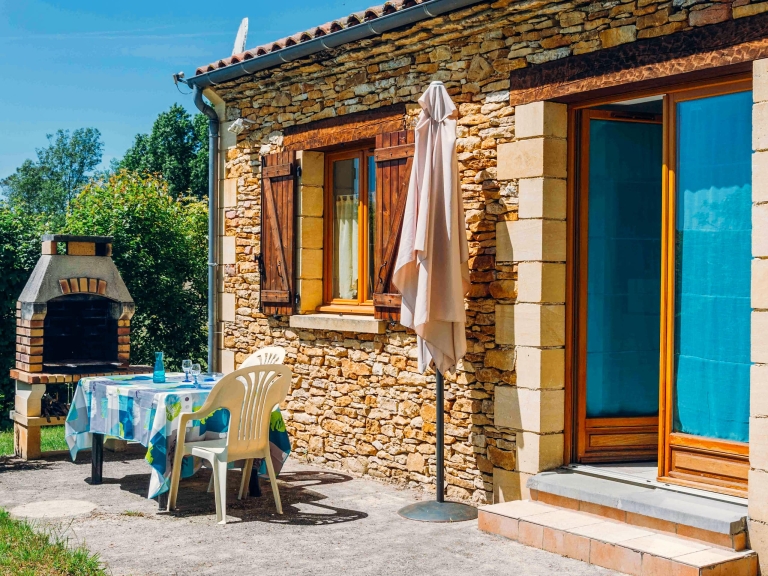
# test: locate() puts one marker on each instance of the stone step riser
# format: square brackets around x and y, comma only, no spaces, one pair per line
[612,545]
[735,542]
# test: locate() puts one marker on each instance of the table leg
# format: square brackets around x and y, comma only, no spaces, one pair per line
[97,458]
[254,490]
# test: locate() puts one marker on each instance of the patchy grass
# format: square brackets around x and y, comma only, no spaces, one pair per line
[27,551]
[51,438]
[133,513]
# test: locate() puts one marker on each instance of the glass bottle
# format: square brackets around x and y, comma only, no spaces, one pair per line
[158,375]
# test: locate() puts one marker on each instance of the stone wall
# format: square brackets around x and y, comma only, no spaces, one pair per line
[361,404]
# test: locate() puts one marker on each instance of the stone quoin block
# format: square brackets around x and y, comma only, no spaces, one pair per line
[757,490]
[310,264]
[760,284]
[509,486]
[760,177]
[309,232]
[532,410]
[310,294]
[541,119]
[537,452]
[542,198]
[758,540]
[505,323]
[532,158]
[760,80]
[539,325]
[760,126]
[760,337]
[760,230]
[312,169]
[530,240]
[758,444]
[540,368]
[227,361]
[227,140]
[227,307]
[310,201]
[228,251]
[758,391]
[540,282]
[229,193]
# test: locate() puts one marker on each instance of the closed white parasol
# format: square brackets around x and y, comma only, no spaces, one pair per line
[431,270]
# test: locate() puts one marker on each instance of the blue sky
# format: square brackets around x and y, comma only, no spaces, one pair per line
[106,64]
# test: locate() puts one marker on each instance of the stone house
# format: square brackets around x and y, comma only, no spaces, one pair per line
[613,158]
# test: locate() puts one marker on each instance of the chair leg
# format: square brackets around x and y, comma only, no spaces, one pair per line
[247,467]
[173,491]
[220,487]
[273,481]
[211,482]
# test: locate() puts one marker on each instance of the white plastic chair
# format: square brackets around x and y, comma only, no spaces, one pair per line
[266,355]
[250,394]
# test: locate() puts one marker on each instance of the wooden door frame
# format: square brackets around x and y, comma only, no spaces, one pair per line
[572,396]
[601,439]
[686,459]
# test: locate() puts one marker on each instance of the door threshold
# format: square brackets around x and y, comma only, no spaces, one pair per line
[626,478]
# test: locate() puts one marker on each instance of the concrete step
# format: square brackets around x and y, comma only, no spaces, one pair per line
[718,520]
[614,545]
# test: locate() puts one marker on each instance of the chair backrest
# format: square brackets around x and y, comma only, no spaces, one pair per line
[250,394]
[266,355]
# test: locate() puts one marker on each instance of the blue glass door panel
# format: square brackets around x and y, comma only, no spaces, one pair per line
[713,234]
[623,269]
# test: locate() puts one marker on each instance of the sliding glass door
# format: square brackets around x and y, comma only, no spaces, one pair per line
[707,275]
[620,279]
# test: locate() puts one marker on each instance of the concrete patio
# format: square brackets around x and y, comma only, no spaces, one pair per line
[333,524]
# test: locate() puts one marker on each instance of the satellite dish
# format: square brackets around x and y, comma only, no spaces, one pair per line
[242,35]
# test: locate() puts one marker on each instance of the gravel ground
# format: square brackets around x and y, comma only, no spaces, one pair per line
[333,524]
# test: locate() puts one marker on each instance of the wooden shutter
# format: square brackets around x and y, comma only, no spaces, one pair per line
[394,159]
[278,184]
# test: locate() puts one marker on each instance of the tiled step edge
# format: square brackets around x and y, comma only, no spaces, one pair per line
[613,545]
[737,541]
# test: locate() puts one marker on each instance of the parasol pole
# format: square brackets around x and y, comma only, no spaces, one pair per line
[440,432]
[439,510]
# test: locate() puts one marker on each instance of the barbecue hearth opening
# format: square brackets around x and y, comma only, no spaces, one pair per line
[80,329]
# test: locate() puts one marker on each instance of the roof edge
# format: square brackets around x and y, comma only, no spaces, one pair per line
[376,27]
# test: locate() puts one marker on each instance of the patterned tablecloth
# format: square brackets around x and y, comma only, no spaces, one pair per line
[134,408]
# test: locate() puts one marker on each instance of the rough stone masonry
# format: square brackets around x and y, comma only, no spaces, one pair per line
[360,403]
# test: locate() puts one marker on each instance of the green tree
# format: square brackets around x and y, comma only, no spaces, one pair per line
[177,149]
[160,249]
[48,184]
[19,250]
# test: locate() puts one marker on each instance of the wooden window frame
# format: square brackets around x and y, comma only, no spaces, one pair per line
[712,453]
[363,304]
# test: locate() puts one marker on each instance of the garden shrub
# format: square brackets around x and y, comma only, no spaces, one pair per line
[161,250]
[19,250]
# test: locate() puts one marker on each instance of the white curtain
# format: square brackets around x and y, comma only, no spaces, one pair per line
[346,242]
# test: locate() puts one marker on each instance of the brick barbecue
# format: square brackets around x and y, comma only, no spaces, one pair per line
[73,319]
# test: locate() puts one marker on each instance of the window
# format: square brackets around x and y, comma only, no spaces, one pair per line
[350,207]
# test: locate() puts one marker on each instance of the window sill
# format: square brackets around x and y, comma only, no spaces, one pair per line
[339,323]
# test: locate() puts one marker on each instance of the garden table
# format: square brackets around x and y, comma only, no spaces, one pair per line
[132,407]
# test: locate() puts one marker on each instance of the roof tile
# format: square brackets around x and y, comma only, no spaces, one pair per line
[328,28]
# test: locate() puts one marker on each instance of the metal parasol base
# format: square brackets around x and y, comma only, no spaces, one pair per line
[438,512]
